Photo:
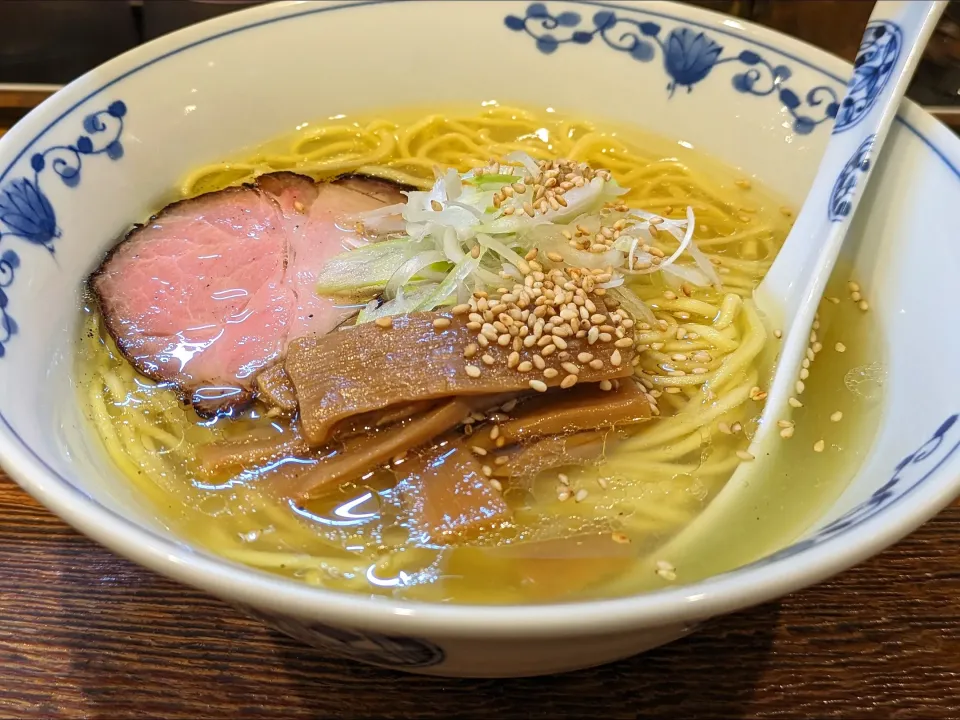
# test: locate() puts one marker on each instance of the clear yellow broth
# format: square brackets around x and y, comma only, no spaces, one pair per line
[358,538]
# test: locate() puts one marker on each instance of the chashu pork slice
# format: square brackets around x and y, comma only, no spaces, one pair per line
[212,289]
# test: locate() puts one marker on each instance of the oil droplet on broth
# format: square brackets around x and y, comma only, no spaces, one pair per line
[866,381]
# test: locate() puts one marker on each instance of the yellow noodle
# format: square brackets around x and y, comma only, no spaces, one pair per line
[152,438]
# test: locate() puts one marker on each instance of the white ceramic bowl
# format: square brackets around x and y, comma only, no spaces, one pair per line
[106,149]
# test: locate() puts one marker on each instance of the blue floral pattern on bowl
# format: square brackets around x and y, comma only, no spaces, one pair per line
[689,56]
[27,213]
[841,198]
[876,59]
[910,473]
[401,653]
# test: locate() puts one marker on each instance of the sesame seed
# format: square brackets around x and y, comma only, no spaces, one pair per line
[853,287]
[818,446]
[470,350]
[745,456]
[804,374]
[487,359]
[793,402]
[555,257]
[606,385]
[581,495]
[569,381]
[473,371]
[496,485]
[787,433]
[494,432]
[625,343]
[461,309]
[538,385]
[836,417]
[436,205]
[487,470]
[525,366]
[441,323]
[856,297]
[596,364]
[616,359]
[563,478]
[384,322]
[840,347]
[563,495]
[863,305]
[478,450]
[778,333]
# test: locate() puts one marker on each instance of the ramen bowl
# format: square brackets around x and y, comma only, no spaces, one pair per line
[107,149]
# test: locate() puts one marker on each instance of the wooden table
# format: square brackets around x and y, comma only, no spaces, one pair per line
[84,634]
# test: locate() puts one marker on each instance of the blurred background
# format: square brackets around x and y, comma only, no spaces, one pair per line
[50,42]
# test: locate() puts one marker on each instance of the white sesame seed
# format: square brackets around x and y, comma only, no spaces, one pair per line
[787,432]
[478,450]
[563,478]
[836,417]
[840,347]
[496,485]
[473,371]
[863,305]
[745,456]
[606,385]
[384,322]
[819,445]
[853,287]
[581,495]
[799,387]
[569,381]
[538,385]
[795,403]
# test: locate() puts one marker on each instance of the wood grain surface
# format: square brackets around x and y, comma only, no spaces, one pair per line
[85,634]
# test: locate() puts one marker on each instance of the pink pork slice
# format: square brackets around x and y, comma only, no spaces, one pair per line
[213,288]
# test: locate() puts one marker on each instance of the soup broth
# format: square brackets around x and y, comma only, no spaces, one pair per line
[359,537]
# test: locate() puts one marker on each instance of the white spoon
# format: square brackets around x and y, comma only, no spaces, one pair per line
[790,292]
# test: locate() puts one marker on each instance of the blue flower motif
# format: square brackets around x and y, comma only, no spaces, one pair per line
[689,57]
[25,210]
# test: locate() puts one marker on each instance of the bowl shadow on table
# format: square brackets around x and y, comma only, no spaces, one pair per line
[191,656]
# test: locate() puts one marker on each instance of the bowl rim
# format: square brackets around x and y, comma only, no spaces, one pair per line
[719,594]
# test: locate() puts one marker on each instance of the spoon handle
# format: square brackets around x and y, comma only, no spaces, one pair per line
[890,50]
